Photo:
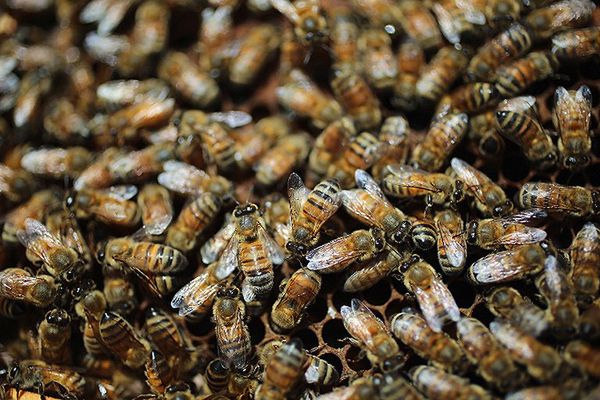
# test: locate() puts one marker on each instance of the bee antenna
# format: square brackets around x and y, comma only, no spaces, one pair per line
[308,55]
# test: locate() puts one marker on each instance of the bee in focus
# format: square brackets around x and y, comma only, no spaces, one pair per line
[357,98]
[110,206]
[438,385]
[508,303]
[439,74]
[484,133]
[158,372]
[365,276]
[362,152]
[53,337]
[122,340]
[65,227]
[451,242]
[572,112]
[411,59]
[188,180]
[514,78]
[423,233]
[278,162]
[379,64]
[310,26]
[19,284]
[585,253]
[57,163]
[283,371]
[576,44]
[573,201]
[559,16]
[155,205]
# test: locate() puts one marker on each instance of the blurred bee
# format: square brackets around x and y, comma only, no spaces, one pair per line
[368,275]
[589,323]
[514,78]
[188,180]
[500,13]
[119,294]
[358,100]
[54,337]
[233,338]
[451,242]
[584,357]
[423,233]
[64,226]
[489,197]
[379,65]
[559,16]
[369,333]
[18,284]
[309,24]
[158,372]
[254,51]
[380,13]
[507,302]
[155,205]
[394,134]
[460,20]
[283,371]
[557,290]
[252,144]
[217,376]
[411,60]
[35,85]
[116,94]
[392,386]
[276,211]
[37,376]
[110,206]
[97,174]
[301,95]
[471,98]
[362,152]
[288,153]
[576,44]
[344,37]
[482,349]
[510,44]
[16,185]
[436,347]
[64,123]
[191,83]
[572,112]
[542,361]
[216,142]
[127,122]
[214,35]
[419,24]
[585,254]
[122,340]
[11,309]
[138,166]
[440,141]
[435,300]
[296,294]
[436,188]
[438,75]
[108,14]
[438,385]
[57,163]
[574,201]
[517,120]
[358,246]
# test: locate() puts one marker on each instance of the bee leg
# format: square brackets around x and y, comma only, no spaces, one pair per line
[39,387]
[429,206]
[350,341]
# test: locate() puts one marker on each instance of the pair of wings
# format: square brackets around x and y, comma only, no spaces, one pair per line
[500,267]
[508,336]
[198,291]
[525,234]
[567,106]
[358,320]
[455,244]
[183,178]
[476,181]
[434,299]
[338,253]
[449,23]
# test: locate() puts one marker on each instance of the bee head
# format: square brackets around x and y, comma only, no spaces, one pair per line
[402,232]
[296,248]
[58,317]
[245,209]
[576,163]
[502,209]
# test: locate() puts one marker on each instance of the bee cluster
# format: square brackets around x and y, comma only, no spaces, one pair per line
[309,199]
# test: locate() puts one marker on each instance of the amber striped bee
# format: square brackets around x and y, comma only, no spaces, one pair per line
[471,98]
[64,225]
[188,180]
[119,294]
[278,162]
[574,201]
[423,233]
[584,357]
[357,98]
[296,294]
[559,16]
[110,206]
[16,185]
[451,242]
[158,372]
[231,331]
[584,253]
[343,34]
[337,135]
[217,376]
[411,59]
[53,339]
[283,371]
[572,112]
[97,174]
[438,385]
[253,53]
[379,64]
[156,209]
[57,162]
[438,75]
[576,44]
[392,386]
[367,275]
[514,78]
[507,303]
[122,340]
[419,24]
[363,151]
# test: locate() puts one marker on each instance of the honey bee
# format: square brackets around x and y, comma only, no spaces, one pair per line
[35,85]
[296,294]
[589,323]
[57,163]
[451,243]
[358,246]
[233,338]
[365,276]
[460,20]
[54,335]
[63,225]
[419,24]
[507,302]
[493,362]
[471,97]
[411,59]
[575,201]
[16,185]
[500,13]
[370,334]
[510,44]
[190,181]
[123,341]
[251,145]
[119,294]
[283,371]
[437,76]
[559,16]
[584,252]
[276,212]
[344,36]
[360,389]
[88,299]
[217,376]
[139,165]
[392,386]
[309,24]
[556,288]
[583,356]
[64,123]
[423,233]
[435,300]
[363,151]
[156,209]
[110,206]
[216,30]
[572,112]
[175,391]
[288,153]
[108,14]
[357,99]
[375,50]
[217,143]
[147,113]
[37,375]
[490,199]
[116,94]
[576,44]
[254,51]
[97,174]
[191,83]
[514,78]
[517,120]
[394,134]
[18,284]
[437,385]
[301,95]
[437,347]
[542,361]
[158,372]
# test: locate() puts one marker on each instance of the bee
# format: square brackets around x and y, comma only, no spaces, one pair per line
[233,338]
[435,300]
[216,141]
[363,151]
[481,347]
[375,51]
[423,233]
[583,356]
[585,252]
[542,361]
[288,153]
[576,44]
[108,14]
[310,26]
[155,205]
[437,76]
[193,219]
[574,201]
[276,213]
[358,100]
[344,37]
[175,391]
[35,85]
[380,13]
[514,78]
[64,226]
[139,165]
[437,385]
[16,185]
[217,376]
[419,24]
[57,163]
[471,97]
[368,275]
[97,174]
[411,60]
[301,95]
[589,323]
[251,145]
[37,375]
[358,246]
[557,290]
[437,347]
[369,205]
[216,30]
[18,284]
[191,83]
[394,134]
[508,45]
[517,120]
[158,372]
[572,112]
[122,340]
[507,302]
[490,199]
[283,371]
[54,335]
[296,294]
[319,372]
[116,94]
[451,242]
[392,386]
[110,206]
[500,13]
[559,16]
[88,299]
[460,20]
[369,333]
[190,181]
[255,50]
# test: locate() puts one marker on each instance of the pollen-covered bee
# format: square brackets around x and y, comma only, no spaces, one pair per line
[437,347]
[514,78]
[283,371]
[54,335]
[121,339]
[57,163]
[576,44]
[288,153]
[411,59]
[559,16]
[188,180]
[361,152]
[507,303]
[379,64]
[156,208]
[110,206]
[309,24]
[18,284]
[585,254]
[584,356]
[572,112]
[451,242]
[233,338]
[574,201]
[372,335]
[438,75]
[358,99]
[439,385]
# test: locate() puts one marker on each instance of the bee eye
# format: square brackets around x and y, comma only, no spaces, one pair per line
[100,255]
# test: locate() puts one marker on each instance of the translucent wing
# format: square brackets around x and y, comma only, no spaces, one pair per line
[229,258]
[94,11]
[121,192]
[366,182]
[286,8]
[358,320]
[212,249]
[198,291]
[112,209]
[181,177]
[553,276]
[406,176]
[297,193]
[35,230]
[233,119]
[521,104]
[524,217]
[113,16]
[445,20]
[498,267]
[454,243]
[147,281]
[158,225]
[333,254]
[228,336]
[471,177]
[355,206]
[508,335]
[526,235]
[276,253]
[437,304]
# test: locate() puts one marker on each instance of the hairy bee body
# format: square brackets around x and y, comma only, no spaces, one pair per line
[297,294]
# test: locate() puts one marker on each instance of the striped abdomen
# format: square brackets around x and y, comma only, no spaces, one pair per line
[359,154]
[158,372]
[156,258]
[318,202]
[219,145]
[120,337]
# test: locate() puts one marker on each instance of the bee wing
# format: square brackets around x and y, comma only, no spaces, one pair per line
[286,8]
[159,225]
[94,11]
[276,253]
[334,253]
[181,177]
[446,22]
[589,232]
[429,301]
[565,104]
[494,268]
[366,182]
[524,217]
[230,334]
[521,104]
[405,175]
[196,292]
[552,276]
[233,119]
[121,192]
[147,281]
[229,258]
[356,206]
[357,319]
[470,176]
[212,249]
[455,245]
[526,235]
[35,230]
[297,193]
